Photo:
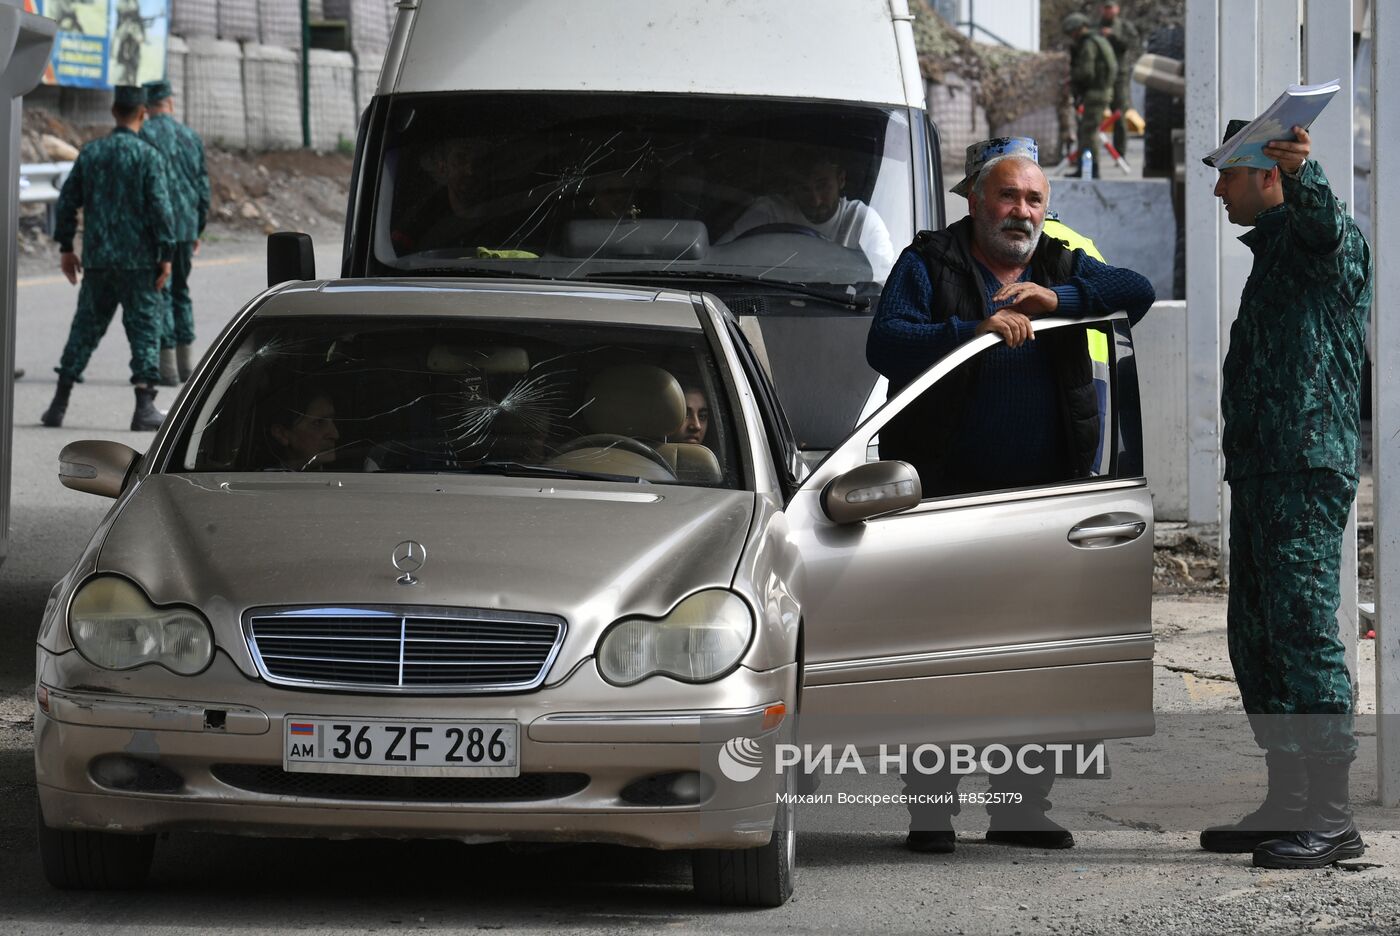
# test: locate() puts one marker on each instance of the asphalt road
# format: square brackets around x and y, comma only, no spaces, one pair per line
[1121,878]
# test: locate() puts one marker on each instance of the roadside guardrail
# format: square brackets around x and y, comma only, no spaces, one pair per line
[39,183]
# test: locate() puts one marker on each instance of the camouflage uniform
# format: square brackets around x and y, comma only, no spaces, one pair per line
[1291,404]
[1123,37]
[1093,71]
[188,182]
[119,182]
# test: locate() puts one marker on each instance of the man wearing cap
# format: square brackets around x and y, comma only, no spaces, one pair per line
[1291,401]
[189,196]
[1093,70]
[119,181]
[1026,415]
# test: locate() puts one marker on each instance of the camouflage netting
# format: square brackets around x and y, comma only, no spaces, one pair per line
[978,90]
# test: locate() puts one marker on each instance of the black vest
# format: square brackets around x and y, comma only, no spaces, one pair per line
[922,433]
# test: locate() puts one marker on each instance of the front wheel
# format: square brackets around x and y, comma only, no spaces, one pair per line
[752,877]
[78,859]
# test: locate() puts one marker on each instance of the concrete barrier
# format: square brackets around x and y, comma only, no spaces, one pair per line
[1130,220]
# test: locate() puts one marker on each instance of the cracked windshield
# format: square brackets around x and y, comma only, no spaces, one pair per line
[531,399]
[632,187]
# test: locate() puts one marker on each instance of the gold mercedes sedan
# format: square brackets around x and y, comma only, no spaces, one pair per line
[534,561]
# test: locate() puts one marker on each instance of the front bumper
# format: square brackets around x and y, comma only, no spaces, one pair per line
[580,755]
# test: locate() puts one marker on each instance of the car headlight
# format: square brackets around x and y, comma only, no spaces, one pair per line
[115,626]
[701,639]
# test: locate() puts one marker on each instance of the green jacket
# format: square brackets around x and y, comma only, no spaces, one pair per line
[1124,40]
[187,177]
[1291,394]
[119,182]
[1093,68]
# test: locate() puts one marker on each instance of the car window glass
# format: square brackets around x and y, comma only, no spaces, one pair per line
[479,396]
[1008,418]
[573,186]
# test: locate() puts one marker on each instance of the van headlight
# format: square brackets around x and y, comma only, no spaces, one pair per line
[701,639]
[115,626]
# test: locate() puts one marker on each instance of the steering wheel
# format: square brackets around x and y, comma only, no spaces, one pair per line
[780,227]
[612,440]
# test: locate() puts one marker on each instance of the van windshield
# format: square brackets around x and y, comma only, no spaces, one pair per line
[609,185]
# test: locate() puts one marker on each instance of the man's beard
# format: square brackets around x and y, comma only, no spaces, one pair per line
[1001,247]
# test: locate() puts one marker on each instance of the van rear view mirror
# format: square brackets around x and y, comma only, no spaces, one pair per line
[289,257]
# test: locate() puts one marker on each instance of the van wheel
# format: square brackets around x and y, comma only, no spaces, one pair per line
[83,860]
[752,877]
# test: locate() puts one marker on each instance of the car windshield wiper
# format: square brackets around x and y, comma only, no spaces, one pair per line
[521,469]
[834,295]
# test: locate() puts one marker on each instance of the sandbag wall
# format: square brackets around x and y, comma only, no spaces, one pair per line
[259,42]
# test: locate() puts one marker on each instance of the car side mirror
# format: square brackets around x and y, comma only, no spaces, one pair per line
[289,257]
[872,490]
[96,467]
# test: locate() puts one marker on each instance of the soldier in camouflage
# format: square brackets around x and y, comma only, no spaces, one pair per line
[1291,401]
[188,181]
[128,238]
[1093,69]
[1123,37]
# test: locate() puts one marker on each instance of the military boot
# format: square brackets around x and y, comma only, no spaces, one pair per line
[146,417]
[53,416]
[184,361]
[169,373]
[1283,809]
[1329,835]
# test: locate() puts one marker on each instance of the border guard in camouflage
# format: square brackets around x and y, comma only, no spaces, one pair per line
[1291,400]
[119,181]
[189,199]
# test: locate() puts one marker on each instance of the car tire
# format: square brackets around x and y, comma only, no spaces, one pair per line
[752,877]
[78,859]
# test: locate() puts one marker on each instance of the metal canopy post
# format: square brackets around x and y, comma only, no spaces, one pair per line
[1327,54]
[25,41]
[1203,221]
[1385,389]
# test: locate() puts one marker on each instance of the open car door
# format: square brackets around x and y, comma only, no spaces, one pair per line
[1000,615]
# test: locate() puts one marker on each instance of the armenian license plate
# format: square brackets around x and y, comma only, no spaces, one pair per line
[400,748]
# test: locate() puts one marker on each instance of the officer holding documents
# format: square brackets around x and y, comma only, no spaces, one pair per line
[1291,405]
[119,182]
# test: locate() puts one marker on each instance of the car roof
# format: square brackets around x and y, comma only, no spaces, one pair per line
[442,297]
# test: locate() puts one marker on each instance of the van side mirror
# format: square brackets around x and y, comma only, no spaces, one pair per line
[96,467]
[289,257]
[872,490]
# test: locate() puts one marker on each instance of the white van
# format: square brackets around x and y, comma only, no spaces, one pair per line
[778,155]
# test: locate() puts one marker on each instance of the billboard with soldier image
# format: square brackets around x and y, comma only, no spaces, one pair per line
[102,43]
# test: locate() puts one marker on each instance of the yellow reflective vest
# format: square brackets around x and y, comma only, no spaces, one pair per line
[1098,341]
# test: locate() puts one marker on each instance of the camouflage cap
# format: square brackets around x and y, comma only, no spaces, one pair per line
[157,91]
[128,96]
[979,154]
[1231,128]
[1074,22]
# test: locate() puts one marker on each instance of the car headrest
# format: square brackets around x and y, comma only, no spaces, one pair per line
[455,359]
[636,400]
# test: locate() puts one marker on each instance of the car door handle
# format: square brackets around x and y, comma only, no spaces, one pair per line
[1130,530]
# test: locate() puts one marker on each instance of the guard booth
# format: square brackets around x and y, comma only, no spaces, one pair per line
[25,41]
